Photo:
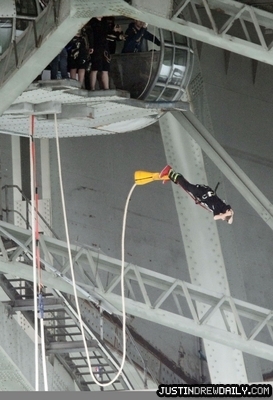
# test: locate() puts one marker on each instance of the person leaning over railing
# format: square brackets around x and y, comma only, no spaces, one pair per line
[135,34]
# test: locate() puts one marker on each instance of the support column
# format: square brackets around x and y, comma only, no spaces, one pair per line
[16,180]
[202,246]
[45,168]
[45,201]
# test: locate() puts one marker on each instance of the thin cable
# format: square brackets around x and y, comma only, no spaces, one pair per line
[32,183]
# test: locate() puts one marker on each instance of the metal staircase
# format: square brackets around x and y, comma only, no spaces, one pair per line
[102,330]
[63,336]
[146,361]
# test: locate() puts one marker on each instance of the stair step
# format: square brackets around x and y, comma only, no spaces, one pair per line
[61,326]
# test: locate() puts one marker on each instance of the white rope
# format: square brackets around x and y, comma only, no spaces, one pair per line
[72,270]
[36,262]
[32,182]
[43,354]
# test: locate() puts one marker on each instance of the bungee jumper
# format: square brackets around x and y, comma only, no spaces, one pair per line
[203,195]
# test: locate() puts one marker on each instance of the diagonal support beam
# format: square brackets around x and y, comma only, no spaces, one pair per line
[212,311]
[189,326]
[260,326]
[248,47]
[219,36]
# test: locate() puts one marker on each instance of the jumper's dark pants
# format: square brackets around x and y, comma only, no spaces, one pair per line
[62,59]
[204,194]
[199,191]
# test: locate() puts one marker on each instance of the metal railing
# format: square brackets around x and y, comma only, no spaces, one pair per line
[28,205]
[32,37]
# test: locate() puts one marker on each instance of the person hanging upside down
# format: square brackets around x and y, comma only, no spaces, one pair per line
[202,195]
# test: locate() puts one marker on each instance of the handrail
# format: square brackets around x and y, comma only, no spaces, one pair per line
[28,203]
[21,47]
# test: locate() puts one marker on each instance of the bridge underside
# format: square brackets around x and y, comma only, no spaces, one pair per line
[228,302]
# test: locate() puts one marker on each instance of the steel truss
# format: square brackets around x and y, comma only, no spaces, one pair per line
[229,24]
[165,300]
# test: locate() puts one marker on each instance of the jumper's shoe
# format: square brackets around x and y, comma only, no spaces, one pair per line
[165,173]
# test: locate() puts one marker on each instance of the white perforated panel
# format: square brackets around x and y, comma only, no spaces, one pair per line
[23,214]
[87,8]
[162,8]
[81,114]
[7,9]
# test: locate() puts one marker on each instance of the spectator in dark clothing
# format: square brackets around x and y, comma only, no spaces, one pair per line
[98,30]
[202,195]
[114,34]
[135,33]
[59,63]
[78,55]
